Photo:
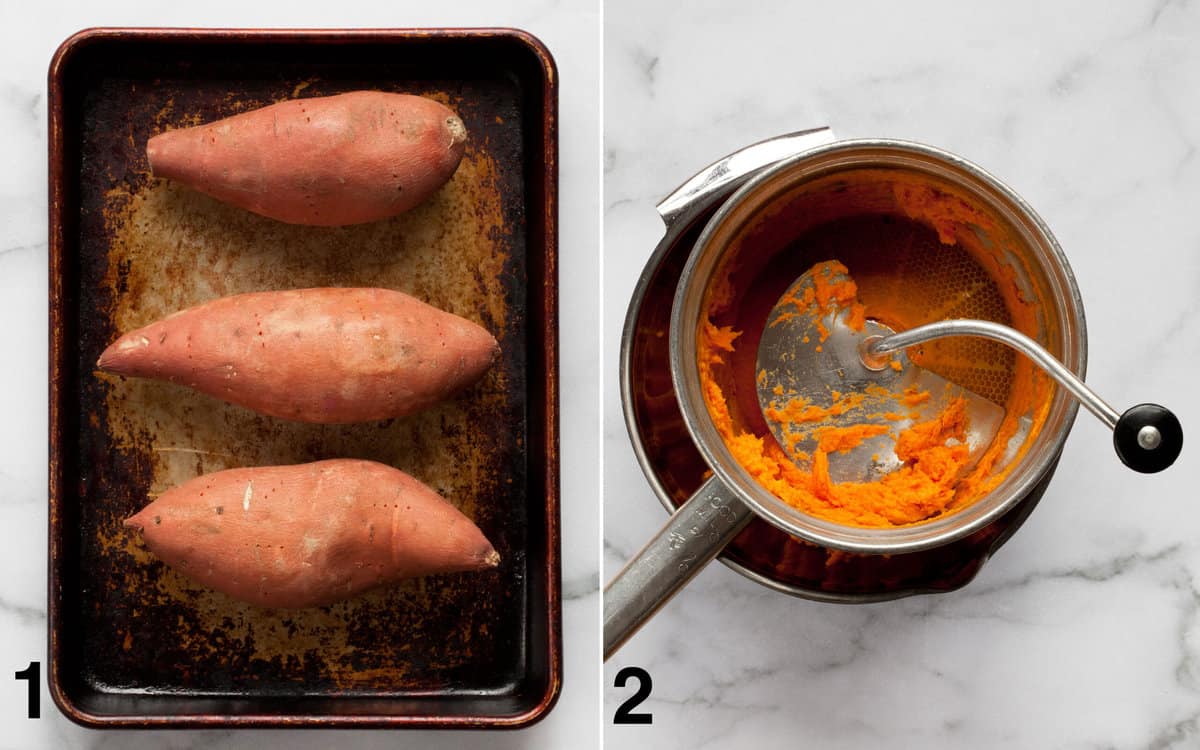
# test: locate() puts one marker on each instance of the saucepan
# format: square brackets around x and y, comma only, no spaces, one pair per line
[766,196]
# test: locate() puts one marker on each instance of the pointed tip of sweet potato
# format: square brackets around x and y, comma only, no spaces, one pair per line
[457,130]
[491,558]
[122,355]
[135,522]
[154,151]
[163,153]
[105,360]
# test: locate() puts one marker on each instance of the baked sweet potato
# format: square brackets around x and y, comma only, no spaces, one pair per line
[311,534]
[326,161]
[323,355]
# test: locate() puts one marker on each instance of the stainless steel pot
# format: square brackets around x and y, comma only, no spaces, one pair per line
[768,177]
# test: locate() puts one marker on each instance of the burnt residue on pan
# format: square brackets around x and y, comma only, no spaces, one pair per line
[147,248]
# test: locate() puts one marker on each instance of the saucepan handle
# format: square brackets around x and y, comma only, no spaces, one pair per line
[694,535]
[711,518]
[729,172]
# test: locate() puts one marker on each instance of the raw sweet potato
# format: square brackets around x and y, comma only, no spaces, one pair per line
[312,355]
[326,161]
[308,535]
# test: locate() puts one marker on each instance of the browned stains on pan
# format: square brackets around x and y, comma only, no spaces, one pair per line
[147,248]
[172,248]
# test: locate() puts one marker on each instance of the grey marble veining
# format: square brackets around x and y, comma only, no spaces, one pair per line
[1084,630]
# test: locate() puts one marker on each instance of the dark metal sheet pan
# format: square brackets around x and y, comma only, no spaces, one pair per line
[132,643]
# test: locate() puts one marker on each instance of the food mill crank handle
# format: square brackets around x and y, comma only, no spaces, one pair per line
[701,527]
[694,535]
[1147,437]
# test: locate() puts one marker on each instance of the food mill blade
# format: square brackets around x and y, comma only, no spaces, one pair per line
[809,356]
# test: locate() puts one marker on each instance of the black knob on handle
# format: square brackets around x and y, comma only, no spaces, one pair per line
[1148,438]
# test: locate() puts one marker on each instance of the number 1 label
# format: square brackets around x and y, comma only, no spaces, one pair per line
[33,675]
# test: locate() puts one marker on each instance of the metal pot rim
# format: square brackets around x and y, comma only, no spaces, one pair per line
[1040,457]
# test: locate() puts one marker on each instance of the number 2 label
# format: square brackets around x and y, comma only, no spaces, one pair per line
[625,713]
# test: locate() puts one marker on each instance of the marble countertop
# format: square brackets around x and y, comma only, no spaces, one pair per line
[1084,630]
[30,35]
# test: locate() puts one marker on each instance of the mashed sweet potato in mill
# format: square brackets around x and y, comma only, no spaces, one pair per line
[915,255]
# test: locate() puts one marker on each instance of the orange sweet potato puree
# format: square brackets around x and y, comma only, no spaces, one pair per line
[935,478]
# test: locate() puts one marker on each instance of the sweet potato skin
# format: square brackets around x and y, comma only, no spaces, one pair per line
[325,161]
[310,534]
[325,355]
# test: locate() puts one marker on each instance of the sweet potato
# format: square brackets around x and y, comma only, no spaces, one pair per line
[326,161]
[312,355]
[311,534]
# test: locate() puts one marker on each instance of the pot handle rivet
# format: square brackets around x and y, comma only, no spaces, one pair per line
[695,534]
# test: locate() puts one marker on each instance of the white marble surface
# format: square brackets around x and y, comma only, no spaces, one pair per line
[1083,632]
[29,34]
